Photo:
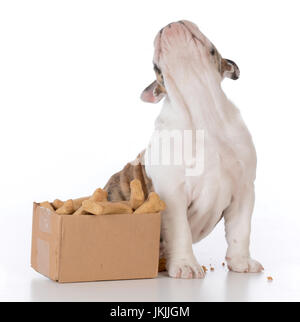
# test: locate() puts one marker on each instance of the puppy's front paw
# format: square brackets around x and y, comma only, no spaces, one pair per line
[242,264]
[184,268]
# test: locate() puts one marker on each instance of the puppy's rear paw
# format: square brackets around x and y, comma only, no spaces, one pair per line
[241,264]
[184,268]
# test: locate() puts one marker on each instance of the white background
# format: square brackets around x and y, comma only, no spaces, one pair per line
[71,73]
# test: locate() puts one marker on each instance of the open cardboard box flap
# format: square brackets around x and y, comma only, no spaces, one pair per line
[69,248]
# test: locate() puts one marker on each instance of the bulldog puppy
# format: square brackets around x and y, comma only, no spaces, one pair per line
[189,71]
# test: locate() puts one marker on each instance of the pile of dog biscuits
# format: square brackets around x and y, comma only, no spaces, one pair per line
[98,204]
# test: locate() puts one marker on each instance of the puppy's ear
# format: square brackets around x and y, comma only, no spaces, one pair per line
[230,69]
[153,93]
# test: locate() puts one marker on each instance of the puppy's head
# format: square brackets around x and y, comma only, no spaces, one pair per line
[178,47]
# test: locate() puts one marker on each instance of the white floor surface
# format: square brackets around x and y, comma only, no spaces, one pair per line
[275,242]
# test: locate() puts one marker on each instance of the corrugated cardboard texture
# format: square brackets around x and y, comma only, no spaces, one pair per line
[91,248]
[46,231]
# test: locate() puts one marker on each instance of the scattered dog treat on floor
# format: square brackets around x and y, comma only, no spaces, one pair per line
[223,264]
[204,268]
[270,278]
[152,204]
[137,196]
[47,204]
[212,269]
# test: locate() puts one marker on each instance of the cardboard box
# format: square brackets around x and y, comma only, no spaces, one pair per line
[84,248]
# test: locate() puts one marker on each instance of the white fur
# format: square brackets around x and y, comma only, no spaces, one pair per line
[195,204]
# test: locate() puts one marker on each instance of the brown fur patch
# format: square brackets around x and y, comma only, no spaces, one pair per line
[118,186]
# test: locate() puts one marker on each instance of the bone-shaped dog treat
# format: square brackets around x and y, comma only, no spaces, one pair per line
[47,204]
[77,203]
[98,195]
[151,205]
[57,203]
[106,207]
[66,209]
[80,211]
[137,196]
[125,202]
[97,204]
